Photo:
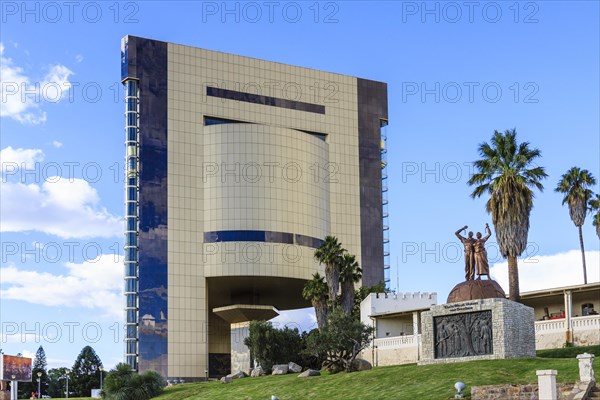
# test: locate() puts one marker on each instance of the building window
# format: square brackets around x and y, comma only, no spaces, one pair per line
[588,309]
[264,100]
[261,236]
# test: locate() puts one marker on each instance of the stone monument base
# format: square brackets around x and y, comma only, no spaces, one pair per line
[485,329]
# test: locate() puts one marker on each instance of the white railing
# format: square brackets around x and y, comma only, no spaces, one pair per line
[588,322]
[579,323]
[550,325]
[396,341]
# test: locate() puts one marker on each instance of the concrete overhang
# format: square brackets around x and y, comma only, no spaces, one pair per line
[246,312]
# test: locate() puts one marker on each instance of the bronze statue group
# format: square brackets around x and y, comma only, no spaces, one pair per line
[476,260]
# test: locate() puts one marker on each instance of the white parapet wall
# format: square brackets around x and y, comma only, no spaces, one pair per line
[391,303]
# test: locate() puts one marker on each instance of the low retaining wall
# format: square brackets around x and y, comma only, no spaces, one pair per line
[516,392]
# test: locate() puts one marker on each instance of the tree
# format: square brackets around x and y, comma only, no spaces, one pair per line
[269,345]
[316,291]
[575,186]
[508,174]
[340,341]
[350,274]
[122,383]
[595,206]
[362,294]
[330,253]
[39,366]
[56,382]
[85,374]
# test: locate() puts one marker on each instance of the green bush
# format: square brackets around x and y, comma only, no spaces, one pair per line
[122,383]
[340,341]
[269,345]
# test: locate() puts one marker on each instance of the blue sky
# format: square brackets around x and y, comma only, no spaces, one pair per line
[454,74]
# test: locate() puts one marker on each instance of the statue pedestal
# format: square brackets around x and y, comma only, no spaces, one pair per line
[484,329]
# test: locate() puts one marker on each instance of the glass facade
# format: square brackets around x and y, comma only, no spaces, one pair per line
[144,66]
[384,206]
[131,221]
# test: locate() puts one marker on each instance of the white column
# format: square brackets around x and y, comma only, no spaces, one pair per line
[547,384]
[14,385]
[568,315]
[586,367]
[416,328]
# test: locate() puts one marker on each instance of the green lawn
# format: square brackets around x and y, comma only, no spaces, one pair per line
[568,352]
[396,382]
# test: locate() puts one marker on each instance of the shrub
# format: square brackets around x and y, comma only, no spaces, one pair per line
[269,345]
[122,383]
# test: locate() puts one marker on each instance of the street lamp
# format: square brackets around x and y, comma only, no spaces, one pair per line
[100,369]
[13,387]
[67,377]
[206,374]
[39,380]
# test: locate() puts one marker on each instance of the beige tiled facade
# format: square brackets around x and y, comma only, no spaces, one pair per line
[265,172]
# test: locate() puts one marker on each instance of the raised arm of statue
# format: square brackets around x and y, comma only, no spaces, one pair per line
[458,235]
[489,232]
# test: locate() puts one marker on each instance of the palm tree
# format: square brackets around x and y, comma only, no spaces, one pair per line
[575,186]
[350,274]
[330,253]
[507,172]
[316,291]
[595,206]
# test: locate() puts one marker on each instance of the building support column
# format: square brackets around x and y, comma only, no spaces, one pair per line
[416,331]
[416,324]
[568,317]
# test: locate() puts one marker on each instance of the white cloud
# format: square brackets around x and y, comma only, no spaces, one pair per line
[57,144]
[551,271]
[93,284]
[28,354]
[79,58]
[21,98]
[304,319]
[64,207]
[13,159]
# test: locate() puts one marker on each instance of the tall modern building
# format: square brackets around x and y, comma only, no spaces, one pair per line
[236,170]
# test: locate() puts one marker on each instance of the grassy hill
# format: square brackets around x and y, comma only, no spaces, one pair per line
[396,382]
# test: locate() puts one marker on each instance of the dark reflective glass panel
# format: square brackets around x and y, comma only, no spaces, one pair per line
[131,300]
[261,236]
[131,346]
[131,224]
[151,67]
[131,316]
[131,208]
[131,104]
[132,134]
[131,331]
[265,100]
[131,118]
[130,270]
[131,285]
[218,121]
